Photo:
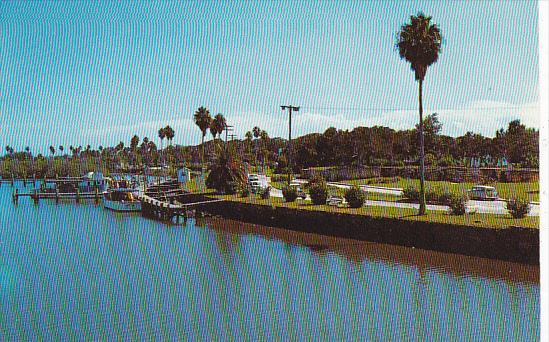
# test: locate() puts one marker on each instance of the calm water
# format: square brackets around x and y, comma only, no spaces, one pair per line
[77,271]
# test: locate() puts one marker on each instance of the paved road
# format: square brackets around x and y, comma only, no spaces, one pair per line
[485,207]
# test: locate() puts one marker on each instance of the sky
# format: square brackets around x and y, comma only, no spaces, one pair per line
[79,73]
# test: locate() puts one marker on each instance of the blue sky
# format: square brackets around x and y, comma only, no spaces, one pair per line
[96,73]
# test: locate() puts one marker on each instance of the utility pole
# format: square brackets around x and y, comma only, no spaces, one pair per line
[290,109]
[227,129]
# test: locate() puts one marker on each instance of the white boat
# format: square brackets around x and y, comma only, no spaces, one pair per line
[120,197]
[121,200]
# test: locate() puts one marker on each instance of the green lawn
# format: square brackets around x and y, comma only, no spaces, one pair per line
[475,220]
[334,191]
[528,190]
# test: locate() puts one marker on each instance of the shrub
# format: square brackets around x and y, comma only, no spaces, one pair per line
[245,192]
[431,195]
[289,193]
[317,180]
[318,193]
[355,197]
[518,207]
[445,197]
[278,177]
[457,204]
[411,193]
[265,193]
[503,177]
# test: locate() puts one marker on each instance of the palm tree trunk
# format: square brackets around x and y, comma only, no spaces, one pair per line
[202,168]
[421,154]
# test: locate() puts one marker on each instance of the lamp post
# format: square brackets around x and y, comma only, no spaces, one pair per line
[290,109]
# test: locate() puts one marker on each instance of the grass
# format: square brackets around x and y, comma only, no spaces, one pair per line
[527,190]
[476,220]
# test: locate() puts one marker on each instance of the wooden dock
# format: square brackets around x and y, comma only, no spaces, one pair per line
[36,195]
[166,211]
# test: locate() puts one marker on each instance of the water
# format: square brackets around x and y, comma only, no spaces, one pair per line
[78,272]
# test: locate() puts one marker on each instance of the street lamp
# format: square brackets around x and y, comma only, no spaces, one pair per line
[290,109]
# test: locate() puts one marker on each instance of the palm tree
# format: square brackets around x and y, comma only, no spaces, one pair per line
[213,130]
[161,135]
[170,133]
[419,43]
[218,124]
[256,131]
[249,136]
[226,173]
[264,147]
[100,148]
[203,120]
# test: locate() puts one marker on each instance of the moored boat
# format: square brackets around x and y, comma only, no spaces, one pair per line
[121,198]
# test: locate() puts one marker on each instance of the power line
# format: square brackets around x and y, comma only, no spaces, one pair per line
[415,109]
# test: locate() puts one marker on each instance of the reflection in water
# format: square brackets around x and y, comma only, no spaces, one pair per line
[76,271]
[358,251]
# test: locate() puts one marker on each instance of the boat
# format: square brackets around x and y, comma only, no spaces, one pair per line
[92,182]
[120,197]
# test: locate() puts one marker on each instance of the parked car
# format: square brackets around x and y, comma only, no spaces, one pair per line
[336,201]
[483,192]
[300,193]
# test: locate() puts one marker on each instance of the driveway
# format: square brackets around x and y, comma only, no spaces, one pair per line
[484,207]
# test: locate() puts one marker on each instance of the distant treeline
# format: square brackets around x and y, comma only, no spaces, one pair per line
[376,145]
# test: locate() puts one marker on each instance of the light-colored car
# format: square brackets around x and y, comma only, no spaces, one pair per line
[483,192]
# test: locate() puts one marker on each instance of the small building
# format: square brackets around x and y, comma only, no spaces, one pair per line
[258,182]
[183,175]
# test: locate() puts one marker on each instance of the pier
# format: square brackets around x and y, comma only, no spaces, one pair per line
[36,195]
[166,211]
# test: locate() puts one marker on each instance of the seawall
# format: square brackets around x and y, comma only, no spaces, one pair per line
[512,244]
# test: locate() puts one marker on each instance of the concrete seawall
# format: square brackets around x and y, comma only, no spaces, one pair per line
[511,244]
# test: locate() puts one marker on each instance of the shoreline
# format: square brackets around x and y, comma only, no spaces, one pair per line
[516,244]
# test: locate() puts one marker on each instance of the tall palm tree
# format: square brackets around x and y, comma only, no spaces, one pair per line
[249,136]
[213,130]
[218,124]
[161,135]
[52,152]
[170,133]
[264,147]
[419,43]
[100,148]
[203,120]
[256,132]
